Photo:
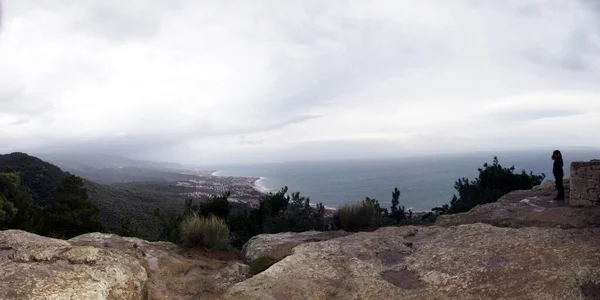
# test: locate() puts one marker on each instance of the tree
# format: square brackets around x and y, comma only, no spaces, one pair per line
[128,228]
[493,182]
[270,206]
[398,213]
[218,206]
[70,213]
[170,229]
[16,207]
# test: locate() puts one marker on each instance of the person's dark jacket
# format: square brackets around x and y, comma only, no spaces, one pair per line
[557,169]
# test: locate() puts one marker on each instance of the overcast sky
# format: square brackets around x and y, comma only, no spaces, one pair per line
[253,81]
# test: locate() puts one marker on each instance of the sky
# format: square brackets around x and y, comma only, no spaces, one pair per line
[196,81]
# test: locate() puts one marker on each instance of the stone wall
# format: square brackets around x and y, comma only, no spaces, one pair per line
[585,183]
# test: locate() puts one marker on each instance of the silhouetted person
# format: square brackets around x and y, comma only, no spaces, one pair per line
[557,170]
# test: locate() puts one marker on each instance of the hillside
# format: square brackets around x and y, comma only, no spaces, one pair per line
[100,160]
[126,202]
[109,169]
[39,176]
[134,201]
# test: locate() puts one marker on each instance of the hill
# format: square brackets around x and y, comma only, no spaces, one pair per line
[99,160]
[108,169]
[40,177]
[134,201]
[130,201]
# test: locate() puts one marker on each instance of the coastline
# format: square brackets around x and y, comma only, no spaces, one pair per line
[263,189]
[258,185]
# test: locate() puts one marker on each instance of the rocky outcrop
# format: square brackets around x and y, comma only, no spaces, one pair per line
[474,261]
[106,266]
[525,208]
[585,183]
[35,267]
[275,247]
[173,272]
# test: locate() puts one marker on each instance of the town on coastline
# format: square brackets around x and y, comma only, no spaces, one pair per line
[243,189]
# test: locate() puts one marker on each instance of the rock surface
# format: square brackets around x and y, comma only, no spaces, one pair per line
[585,183]
[175,273]
[106,266]
[525,208]
[473,261]
[35,267]
[277,246]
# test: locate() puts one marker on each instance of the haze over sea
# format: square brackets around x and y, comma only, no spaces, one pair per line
[424,182]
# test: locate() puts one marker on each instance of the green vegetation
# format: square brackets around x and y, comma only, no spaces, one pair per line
[398,213]
[69,212]
[9,194]
[493,182]
[40,177]
[61,211]
[207,232]
[128,228]
[353,217]
[278,212]
[135,203]
[218,206]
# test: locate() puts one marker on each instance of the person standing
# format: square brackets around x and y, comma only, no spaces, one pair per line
[557,170]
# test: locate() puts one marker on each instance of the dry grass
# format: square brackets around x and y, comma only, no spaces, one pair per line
[355,216]
[210,232]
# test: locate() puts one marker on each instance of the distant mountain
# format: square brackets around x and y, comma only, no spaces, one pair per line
[108,169]
[99,160]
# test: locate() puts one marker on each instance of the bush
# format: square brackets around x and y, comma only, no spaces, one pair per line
[493,182]
[353,217]
[209,232]
[218,206]
[128,229]
[243,226]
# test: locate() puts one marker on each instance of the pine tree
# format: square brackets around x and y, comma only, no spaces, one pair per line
[70,213]
[398,212]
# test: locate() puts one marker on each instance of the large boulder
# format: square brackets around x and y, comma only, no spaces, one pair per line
[173,272]
[523,208]
[474,261]
[275,247]
[35,267]
[107,266]
[585,183]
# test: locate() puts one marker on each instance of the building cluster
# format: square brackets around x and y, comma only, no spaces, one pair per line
[242,188]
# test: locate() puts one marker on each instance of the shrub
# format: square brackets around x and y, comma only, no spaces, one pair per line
[243,226]
[209,232]
[353,217]
[218,206]
[493,182]
[128,228]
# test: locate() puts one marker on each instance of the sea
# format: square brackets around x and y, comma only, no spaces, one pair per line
[424,182]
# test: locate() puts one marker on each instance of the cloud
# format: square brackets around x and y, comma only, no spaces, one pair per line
[537,115]
[184,80]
